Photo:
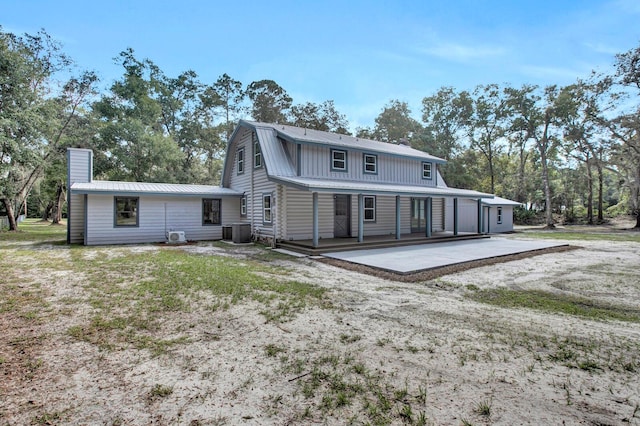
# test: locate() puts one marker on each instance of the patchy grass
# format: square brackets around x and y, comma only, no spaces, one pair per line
[556,303]
[592,235]
[35,231]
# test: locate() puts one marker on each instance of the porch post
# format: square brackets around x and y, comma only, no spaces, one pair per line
[360,218]
[316,236]
[488,220]
[480,223]
[427,216]
[397,217]
[455,216]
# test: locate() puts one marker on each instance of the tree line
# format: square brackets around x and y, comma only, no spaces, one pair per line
[552,148]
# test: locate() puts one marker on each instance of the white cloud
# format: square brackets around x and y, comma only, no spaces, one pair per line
[603,48]
[462,53]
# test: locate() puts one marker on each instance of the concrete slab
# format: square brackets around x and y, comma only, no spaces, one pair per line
[410,259]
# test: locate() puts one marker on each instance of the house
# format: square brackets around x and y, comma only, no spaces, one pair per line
[287,184]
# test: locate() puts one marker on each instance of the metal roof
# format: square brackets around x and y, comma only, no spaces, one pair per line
[343,186]
[499,201]
[317,137]
[273,152]
[137,188]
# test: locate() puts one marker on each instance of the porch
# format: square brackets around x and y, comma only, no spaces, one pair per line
[326,245]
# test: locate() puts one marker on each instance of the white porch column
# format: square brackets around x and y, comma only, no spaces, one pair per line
[455,216]
[360,218]
[397,217]
[316,234]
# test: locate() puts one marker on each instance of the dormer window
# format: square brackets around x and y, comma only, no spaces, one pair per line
[370,164]
[426,170]
[338,160]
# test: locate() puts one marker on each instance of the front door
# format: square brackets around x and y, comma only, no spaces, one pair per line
[342,218]
[418,218]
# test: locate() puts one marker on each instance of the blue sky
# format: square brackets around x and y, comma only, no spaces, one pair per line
[358,53]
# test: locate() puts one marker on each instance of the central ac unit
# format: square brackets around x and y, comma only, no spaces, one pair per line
[176,237]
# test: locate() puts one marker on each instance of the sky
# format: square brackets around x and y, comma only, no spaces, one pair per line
[360,54]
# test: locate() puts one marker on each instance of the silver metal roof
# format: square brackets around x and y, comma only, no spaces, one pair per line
[499,201]
[169,189]
[318,137]
[273,153]
[338,186]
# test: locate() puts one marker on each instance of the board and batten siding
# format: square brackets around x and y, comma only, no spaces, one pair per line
[316,163]
[79,169]
[156,216]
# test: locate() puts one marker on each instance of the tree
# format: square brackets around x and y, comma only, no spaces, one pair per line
[324,117]
[395,123]
[270,103]
[34,120]
[230,95]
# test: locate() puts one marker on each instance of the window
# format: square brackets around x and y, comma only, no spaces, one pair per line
[266,208]
[243,206]
[126,211]
[257,152]
[369,208]
[499,215]
[426,170]
[240,161]
[370,163]
[211,211]
[338,160]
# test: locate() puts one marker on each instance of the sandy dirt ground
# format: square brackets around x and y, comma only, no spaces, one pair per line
[380,345]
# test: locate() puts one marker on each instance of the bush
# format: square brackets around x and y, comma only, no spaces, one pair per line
[522,216]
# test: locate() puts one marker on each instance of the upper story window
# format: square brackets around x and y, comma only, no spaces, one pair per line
[369,208]
[370,163]
[499,215]
[211,211]
[338,160]
[427,170]
[240,161]
[125,211]
[257,152]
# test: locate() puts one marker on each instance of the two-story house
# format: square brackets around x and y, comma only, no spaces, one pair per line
[288,184]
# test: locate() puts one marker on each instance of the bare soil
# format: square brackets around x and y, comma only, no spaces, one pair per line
[452,360]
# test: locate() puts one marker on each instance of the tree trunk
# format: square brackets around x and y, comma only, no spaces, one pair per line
[637,220]
[10,215]
[589,192]
[57,207]
[547,186]
[600,192]
[47,211]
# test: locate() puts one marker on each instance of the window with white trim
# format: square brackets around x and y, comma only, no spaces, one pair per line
[369,208]
[499,215]
[240,161]
[338,160]
[257,152]
[426,170]
[243,206]
[370,163]
[211,211]
[266,208]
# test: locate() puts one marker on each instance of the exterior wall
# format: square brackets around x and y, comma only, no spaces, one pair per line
[507,219]
[467,215]
[299,215]
[156,216]
[316,163]
[79,169]
[385,223]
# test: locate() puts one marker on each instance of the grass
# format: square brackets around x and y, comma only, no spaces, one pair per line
[556,303]
[584,236]
[35,231]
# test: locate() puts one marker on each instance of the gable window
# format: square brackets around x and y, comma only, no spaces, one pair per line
[211,211]
[426,170]
[257,152]
[126,211]
[338,160]
[499,215]
[243,206]
[240,161]
[370,163]
[369,208]
[266,208]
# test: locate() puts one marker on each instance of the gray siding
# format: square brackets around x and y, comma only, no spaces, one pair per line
[385,223]
[157,215]
[438,215]
[467,215]
[316,163]
[299,217]
[79,169]
[507,219]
